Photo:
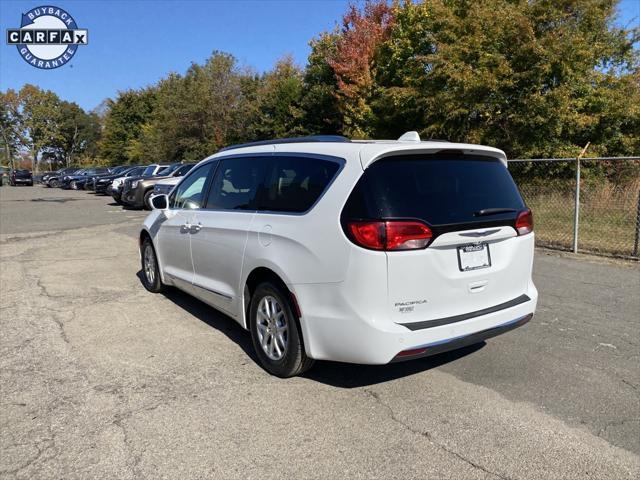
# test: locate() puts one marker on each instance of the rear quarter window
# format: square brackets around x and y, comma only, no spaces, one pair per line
[294,184]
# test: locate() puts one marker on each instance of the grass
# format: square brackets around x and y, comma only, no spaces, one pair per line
[608,215]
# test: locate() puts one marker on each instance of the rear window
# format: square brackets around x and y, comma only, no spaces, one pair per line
[436,189]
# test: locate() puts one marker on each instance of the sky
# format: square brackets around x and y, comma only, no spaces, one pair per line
[133,44]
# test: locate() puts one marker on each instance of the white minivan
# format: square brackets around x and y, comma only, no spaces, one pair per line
[367,252]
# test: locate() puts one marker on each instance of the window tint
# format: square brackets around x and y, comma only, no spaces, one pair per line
[183,170]
[236,182]
[438,190]
[293,184]
[191,191]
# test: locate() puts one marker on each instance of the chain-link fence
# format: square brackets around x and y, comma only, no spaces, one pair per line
[601,216]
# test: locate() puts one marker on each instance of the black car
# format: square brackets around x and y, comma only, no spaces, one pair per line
[101,183]
[90,183]
[77,180]
[54,180]
[20,177]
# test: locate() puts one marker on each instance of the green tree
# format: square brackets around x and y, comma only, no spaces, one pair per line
[78,132]
[41,116]
[536,78]
[198,113]
[123,124]
[319,103]
[11,127]
[278,95]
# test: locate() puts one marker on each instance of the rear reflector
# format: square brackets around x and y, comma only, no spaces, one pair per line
[524,222]
[390,235]
[412,352]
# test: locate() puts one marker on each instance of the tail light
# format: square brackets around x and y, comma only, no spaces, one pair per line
[390,235]
[524,222]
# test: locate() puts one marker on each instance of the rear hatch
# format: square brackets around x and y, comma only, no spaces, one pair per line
[464,208]
[24,174]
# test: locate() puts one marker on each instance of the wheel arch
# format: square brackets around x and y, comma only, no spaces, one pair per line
[265,274]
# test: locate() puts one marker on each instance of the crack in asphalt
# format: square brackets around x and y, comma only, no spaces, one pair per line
[371,394]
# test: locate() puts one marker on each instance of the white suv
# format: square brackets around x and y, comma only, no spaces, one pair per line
[354,251]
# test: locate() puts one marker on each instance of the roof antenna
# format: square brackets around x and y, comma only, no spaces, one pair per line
[410,137]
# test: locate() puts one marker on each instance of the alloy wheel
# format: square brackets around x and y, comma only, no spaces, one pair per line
[149,265]
[272,327]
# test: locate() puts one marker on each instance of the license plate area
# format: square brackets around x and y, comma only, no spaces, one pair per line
[474,257]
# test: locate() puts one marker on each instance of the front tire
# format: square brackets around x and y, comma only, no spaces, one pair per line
[146,201]
[73,185]
[54,183]
[150,269]
[275,332]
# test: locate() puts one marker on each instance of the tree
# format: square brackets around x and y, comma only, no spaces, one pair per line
[319,103]
[123,124]
[536,78]
[78,132]
[200,112]
[10,124]
[278,96]
[352,61]
[40,113]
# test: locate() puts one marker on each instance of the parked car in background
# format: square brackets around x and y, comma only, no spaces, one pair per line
[90,182]
[355,251]
[116,187]
[20,177]
[39,178]
[54,179]
[102,183]
[77,180]
[136,192]
[164,186]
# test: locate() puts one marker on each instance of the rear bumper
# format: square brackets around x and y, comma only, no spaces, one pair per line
[333,329]
[460,342]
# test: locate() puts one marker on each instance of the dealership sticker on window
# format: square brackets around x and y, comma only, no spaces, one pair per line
[48,37]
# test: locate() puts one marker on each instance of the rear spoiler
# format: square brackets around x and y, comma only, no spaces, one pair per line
[371,153]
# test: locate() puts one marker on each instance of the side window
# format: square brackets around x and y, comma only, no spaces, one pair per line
[294,184]
[191,191]
[236,182]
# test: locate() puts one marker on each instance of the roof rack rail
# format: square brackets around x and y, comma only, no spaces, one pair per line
[276,141]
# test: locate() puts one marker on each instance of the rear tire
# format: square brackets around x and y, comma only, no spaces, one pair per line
[276,334]
[150,269]
[54,184]
[73,185]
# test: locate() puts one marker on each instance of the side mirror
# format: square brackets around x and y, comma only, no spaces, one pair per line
[160,202]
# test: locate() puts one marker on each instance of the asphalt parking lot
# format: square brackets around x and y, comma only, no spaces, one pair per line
[101,379]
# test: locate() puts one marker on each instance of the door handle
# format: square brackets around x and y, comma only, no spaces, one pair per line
[195,228]
[185,228]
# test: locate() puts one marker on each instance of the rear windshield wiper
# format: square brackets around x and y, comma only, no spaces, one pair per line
[493,211]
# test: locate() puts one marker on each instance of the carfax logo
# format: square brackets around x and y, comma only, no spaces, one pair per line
[48,37]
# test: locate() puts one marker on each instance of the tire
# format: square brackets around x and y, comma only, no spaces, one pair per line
[54,183]
[283,354]
[146,200]
[150,269]
[73,185]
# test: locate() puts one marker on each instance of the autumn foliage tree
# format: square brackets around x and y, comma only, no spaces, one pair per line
[353,63]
